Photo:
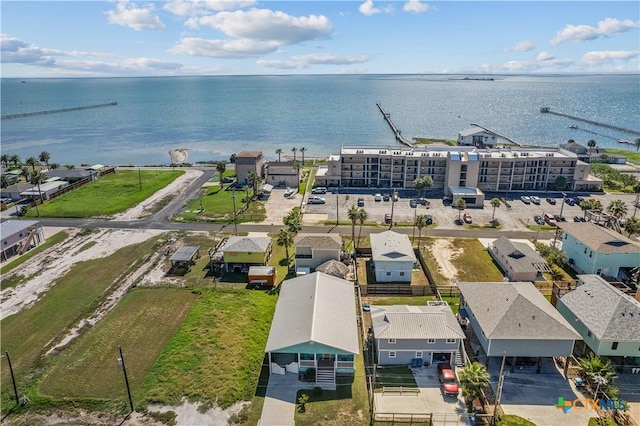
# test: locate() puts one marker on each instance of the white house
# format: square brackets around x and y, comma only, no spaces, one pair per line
[392,256]
[476,136]
[18,236]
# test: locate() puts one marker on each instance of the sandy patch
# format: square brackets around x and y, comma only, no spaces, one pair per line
[42,270]
[188,414]
[314,218]
[442,250]
[143,209]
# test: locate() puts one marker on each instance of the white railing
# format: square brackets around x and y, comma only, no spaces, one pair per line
[344,364]
[307,363]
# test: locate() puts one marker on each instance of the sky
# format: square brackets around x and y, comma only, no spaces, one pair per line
[250,37]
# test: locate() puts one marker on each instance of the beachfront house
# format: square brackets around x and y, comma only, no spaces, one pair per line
[477,136]
[249,161]
[283,174]
[404,334]
[314,332]
[392,257]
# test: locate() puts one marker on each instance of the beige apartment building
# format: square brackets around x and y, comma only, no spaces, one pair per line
[460,171]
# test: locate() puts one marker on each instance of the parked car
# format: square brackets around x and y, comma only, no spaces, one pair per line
[377,197]
[550,219]
[444,365]
[319,190]
[467,217]
[227,180]
[386,197]
[570,201]
[579,219]
[525,199]
[360,202]
[535,199]
[289,192]
[551,201]
[316,200]
[413,203]
[539,220]
[559,218]
[429,219]
[387,218]
[448,382]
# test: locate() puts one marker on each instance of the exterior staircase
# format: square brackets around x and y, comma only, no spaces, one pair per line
[461,356]
[326,376]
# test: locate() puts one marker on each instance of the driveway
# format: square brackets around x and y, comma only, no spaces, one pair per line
[280,401]
[278,206]
[429,400]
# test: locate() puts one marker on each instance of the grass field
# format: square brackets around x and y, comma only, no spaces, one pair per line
[141,323]
[29,333]
[108,195]
[217,205]
[513,420]
[217,352]
[475,262]
[633,156]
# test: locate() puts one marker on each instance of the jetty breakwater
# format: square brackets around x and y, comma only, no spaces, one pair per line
[56,111]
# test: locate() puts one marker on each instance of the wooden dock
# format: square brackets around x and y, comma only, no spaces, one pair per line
[55,111]
[396,131]
[547,110]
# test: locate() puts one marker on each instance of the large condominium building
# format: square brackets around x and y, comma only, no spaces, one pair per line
[461,171]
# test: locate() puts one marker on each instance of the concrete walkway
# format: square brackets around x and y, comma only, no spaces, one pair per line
[280,400]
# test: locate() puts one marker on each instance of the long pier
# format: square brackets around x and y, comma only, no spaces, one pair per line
[55,111]
[396,131]
[547,110]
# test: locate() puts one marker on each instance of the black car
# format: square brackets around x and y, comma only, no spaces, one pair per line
[360,202]
[386,197]
[559,218]
[579,219]
[429,219]
[539,220]
[551,201]
[413,203]
[570,201]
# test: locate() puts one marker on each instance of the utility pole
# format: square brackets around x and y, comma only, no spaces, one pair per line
[13,379]
[140,178]
[415,212]
[337,206]
[499,388]
[393,203]
[235,224]
[126,379]
[555,235]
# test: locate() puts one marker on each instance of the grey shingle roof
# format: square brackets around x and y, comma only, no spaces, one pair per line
[390,245]
[315,308]
[334,267]
[415,322]
[600,239]
[318,241]
[522,258]
[515,310]
[12,227]
[247,244]
[606,311]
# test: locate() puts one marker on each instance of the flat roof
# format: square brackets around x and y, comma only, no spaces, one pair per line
[184,254]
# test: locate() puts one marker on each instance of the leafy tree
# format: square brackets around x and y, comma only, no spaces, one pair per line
[560,183]
[5,180]
[460,205]
[45,157]
[632,226]
[54,166]
[293,220]
[591,144]
[352,214]
[551,254]
[4,159]
[25,173]
[495,203]
[421,222]
[294,150]
[279,152]
[587,205]
[255,179]
[285,239]
[302,150]
[637,144]
[232,159]
[362,218]
[69,166]
[473,379]
[15,160]
[31,161]
[617,209]
[221,167]
[421,184]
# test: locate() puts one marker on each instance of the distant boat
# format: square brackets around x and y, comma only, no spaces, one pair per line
[573,126]
[625,141]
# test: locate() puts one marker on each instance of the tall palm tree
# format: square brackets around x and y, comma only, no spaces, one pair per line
[587,205]
[293,220]
[36,178]
[15,160]
[302,150]
[421,184]
[4,159]
[460,205]
[255,179]
[632,226]
[495,203]
[25,173]
[617,209]
[279,152]
[352,214]
[5,180]
[31,161]
[594,367]
[294,149]
[45,157]
[591,144]
[362,218]
[473,379]
[285,239]
[221,167]
[637,144]
[421,222]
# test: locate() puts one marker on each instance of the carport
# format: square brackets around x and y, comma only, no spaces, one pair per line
[185,257]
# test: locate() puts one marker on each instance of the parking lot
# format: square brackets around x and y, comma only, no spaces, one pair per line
[516,217]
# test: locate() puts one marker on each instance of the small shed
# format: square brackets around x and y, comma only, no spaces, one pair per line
[263,276]
[185,257]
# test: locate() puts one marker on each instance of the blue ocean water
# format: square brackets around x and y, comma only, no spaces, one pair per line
[215,117]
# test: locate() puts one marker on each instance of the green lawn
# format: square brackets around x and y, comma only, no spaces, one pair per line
[395,376]
[108,195]
[631,155]
[217,206]
[217,352]
[141,323]
[29,333]
[475,262]
[513,420]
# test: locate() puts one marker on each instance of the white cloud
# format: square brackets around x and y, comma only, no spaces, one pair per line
[267,26]
[280,65]
[415,6]
[367,8]
[592,59]
[522,46]
[238,48]
[18,51]
[304,61]
[544,56]
[137,18]
[201,7]
[606,28]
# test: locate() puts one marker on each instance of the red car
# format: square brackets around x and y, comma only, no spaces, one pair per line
[448,382]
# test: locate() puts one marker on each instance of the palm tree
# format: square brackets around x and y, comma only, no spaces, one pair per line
[279,152]
[598,371]
[25,172]
[45,157]
[352,214]
[31,161]
[460,205]
[5,180]
[591,144]
[36,178]
[422,184]
[637,144]
[473,379]
[421,222]
[221,167]
[285,239]
[254,178]
[302,150]
[362,217]
[293,220]
[15,160]
[617,209]
[495,203]
[232,159]
[294,149]
[632,226]
[4,159]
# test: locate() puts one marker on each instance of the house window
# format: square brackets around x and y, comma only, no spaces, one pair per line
[589,333]
[402,274]
[614,346]
[392,354]
[419,354]
[388,274]
[451,340]
[431,341]
[392,341]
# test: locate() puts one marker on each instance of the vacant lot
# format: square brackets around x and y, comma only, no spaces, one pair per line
[216,203]
[141,323]
[108,195]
